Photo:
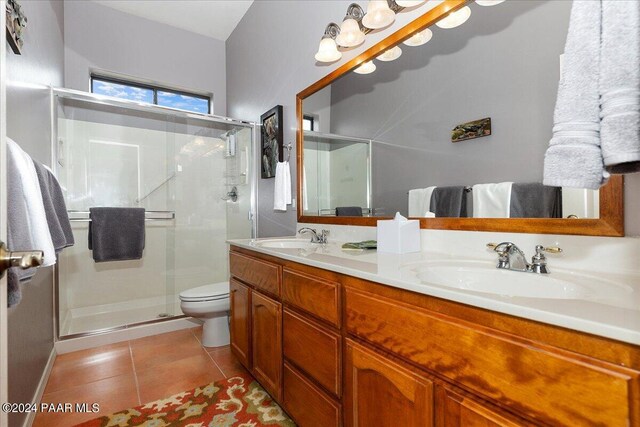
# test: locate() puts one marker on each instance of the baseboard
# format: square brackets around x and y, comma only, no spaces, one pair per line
[37,397]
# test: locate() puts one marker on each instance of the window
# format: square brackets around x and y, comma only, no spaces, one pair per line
[308,122]
[151,94]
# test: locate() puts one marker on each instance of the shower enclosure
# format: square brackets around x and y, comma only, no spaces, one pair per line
[194,175]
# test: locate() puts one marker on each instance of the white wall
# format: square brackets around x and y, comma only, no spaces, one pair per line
[41,64]
[100,37]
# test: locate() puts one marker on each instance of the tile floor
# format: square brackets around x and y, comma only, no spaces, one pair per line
[130,373]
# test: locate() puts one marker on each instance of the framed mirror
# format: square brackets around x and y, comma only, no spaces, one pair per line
[452,131]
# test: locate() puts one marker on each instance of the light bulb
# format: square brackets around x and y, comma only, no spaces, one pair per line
[378,15]
[418,39]
[350,34]
[488,2]
[390,54]
[409,3]
[328,51]
[366,68]
[455,19]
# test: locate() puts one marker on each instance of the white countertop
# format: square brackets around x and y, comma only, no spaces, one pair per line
[619,320]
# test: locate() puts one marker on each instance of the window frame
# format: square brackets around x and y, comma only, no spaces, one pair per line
[155,89]
[310,118]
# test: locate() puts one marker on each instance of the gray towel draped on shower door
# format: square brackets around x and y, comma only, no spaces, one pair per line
[116,234]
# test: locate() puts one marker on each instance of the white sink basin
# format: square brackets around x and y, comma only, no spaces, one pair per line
[484,277]
[285,244]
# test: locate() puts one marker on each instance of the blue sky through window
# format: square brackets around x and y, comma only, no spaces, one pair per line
[119,90]
[165,98]
[183,102]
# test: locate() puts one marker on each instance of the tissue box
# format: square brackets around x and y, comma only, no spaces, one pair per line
[399,235]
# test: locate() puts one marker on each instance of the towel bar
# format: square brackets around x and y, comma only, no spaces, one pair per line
[171,215]
[467,189]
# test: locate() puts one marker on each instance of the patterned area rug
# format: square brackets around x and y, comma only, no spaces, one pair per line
[239,401]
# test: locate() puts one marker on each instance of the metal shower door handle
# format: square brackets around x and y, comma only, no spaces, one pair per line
[22,259]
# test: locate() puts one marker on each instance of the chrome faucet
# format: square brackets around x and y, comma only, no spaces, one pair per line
[315,238]
[510,257]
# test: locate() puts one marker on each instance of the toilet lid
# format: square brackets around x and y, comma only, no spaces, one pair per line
[206,292]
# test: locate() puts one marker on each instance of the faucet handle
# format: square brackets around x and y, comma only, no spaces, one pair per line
[539,261]
[501,248]
[503,253]
[549,249]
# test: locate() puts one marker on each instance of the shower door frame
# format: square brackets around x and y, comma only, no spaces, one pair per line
[63,93]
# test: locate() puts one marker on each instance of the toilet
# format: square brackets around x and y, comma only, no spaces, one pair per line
[209,303]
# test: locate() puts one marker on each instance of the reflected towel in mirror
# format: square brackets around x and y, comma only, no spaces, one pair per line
[534,200]
[492,200]
[420,201]
[348,211]
[449,202]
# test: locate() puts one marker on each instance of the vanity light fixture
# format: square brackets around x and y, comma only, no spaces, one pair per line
[455,19]
[488,2]
[328,50]
[420,38]
[390,54]
[366,68]
[379,15]
[350,34]
[411,3]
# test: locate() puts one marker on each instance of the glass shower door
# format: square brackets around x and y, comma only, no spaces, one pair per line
[181,169]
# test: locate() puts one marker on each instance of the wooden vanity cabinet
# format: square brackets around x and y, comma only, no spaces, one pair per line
[256,319]
[336,350]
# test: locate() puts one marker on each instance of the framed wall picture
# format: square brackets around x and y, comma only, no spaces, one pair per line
[16,22]
[271,141]
[471,130]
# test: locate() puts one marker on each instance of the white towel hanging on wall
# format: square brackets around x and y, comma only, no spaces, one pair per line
[597,116]
[36,221]
[282,190]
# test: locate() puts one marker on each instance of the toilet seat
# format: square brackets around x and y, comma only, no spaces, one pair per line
[211,292]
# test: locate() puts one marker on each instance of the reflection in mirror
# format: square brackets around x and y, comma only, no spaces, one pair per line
[383,141]
[336,175]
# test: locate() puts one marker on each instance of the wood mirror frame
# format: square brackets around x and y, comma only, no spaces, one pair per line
[610,222]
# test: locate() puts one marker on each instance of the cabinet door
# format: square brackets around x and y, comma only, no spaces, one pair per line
[240,327]
[382,393]
[266,330]
[456,410]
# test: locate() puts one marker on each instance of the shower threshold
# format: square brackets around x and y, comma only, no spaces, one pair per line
[94,319]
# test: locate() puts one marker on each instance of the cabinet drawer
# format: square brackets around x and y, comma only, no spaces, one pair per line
[544,383]
[307,404]
[313,349]
[315,296]
[261,274]
[458,410]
